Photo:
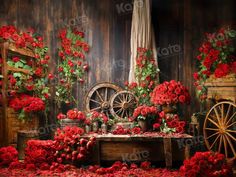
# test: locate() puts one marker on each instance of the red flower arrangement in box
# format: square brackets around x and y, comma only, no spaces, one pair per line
[70,147]
[35,83]
[143,111]
[206,164]
[95,116]
[146,74]
[72,65]
[215,59]
[27,103]
[171,92]
[8,155]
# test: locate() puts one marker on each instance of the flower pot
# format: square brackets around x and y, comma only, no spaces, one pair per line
[169,108]
[69,122]
[95,127]
[143,125]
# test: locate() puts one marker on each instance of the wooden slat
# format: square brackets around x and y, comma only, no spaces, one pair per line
[11,68]
[23,51]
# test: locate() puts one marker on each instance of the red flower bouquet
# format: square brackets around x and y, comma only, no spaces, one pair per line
[170,93]
[27,104]
[146,74]
[142,112]
[72,65]
[97,117]
[70,147]
[206,164]
[8,155]
[215,59]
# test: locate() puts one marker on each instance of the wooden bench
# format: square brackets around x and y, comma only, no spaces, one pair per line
[137,148]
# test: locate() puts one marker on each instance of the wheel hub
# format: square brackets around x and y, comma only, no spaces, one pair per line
[105,105]
[125,105]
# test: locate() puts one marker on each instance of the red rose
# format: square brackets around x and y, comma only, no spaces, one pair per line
[15,59]
[222,70]
[196,76]
[72,114]
[156,126]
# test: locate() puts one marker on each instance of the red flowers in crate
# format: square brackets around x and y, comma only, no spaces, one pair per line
[206,164]
[144,111]
[215,59]
[8,155]
[172,92]
[70,147]
[27,103]
[95,116]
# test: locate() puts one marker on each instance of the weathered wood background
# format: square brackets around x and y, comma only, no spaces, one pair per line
[179,27]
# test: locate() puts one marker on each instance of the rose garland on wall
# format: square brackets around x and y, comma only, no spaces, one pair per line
[29,92]
[215,59]
[146,74]
[72,65]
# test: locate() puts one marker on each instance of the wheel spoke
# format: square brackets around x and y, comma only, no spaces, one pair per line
[217,115]
[120,98]
[215,141]
[117,102]
[106,94]
[231,145]
[227,114]
[219,148]
[126,97]
[222,114]
[122,114]
[213,122]
[99,96]
[119,110]
[214,129]
[231,124]
[231,136]
[225,146]
[213,135]
[95,101]
[231,118]
[233,131]
[94,109]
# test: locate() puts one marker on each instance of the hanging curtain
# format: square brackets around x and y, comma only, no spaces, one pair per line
[142,34]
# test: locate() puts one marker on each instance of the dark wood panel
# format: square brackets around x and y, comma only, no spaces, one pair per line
[107,30]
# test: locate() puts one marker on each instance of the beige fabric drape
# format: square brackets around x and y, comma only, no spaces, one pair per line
[142,34]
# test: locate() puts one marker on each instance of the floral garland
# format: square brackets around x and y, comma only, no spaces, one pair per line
[206,164]
[215,59]
[170,93]
[36,82]
[72,64]
[146,74]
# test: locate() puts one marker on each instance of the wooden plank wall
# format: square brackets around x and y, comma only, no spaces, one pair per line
[179,24]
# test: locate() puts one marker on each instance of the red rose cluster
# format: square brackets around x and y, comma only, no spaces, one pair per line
[215,58]
[146,74]
[206,164]
[40,153]
[8,155]
[119,166]
[97,117]
[21,83]
[172,121]
[27,103]
[144,111]
[72,66]
[122,131]
[73,114]
[170,93]
[69,145]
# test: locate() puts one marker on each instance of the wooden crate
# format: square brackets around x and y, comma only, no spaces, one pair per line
[13,125]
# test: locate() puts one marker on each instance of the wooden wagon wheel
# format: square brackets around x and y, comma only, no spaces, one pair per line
[220,129]
[123,104]
[98,97]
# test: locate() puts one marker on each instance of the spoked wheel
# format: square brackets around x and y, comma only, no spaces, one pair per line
[220,129]
[123,104]
[98,97]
